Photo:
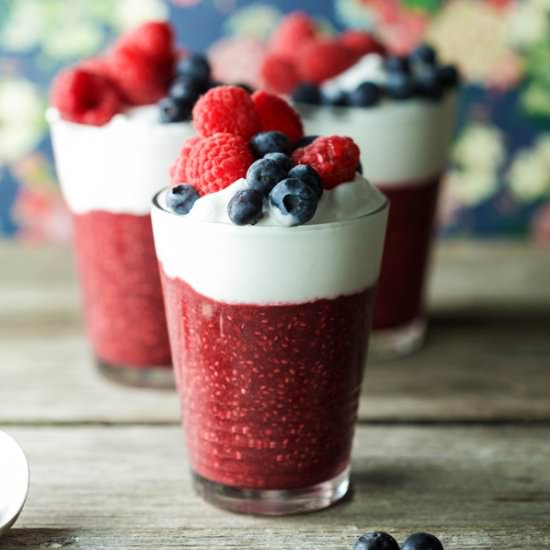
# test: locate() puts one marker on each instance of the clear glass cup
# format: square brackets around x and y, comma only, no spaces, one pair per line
[269,330]
[406,146]
[108,176]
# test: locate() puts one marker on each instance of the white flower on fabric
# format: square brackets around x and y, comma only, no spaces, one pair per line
[529,173]
[130,13]
[257,21]
[480,148]
[471,187]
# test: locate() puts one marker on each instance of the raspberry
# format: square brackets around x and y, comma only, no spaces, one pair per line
[96,65]
[361,42]
[334,158]
[154,38]
[294,31]
[324,59]
[276,114]
[279,74]
[226,109]
[141,79]
[217,161]
[178,173]
[84,97]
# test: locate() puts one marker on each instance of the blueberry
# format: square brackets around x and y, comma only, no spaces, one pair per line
[366,94]
[295,199]
[376,540]
[397,64]
[282,159]
[305,141]
[308,175]
[425,53]
[448,75]
[399,86]
[307,93]
[270,142]
[428,83]
[181,198]
[245,207]
[195,66]
[185,89]
[172,110]
[338,99]
[359,168]
[263,174]
[422,541]
[246,87]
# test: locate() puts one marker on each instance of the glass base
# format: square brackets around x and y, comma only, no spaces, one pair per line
[273,502]
[141,377]
[397,342]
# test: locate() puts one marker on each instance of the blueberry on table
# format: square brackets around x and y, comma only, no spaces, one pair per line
[264,174]
[308,175]
[284,160]
[422,541]
[376,540]
[196,66]
[181,198]
[366,94]
[295,199]
[307,93]
[305,141]
[270,142]
[400,86]
[425,54]
[397,64]
[448,75]
[246,207]
[337,99]
[173,110]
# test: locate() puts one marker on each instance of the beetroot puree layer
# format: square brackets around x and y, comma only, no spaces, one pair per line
[269,393]
[409,237]
[121,289]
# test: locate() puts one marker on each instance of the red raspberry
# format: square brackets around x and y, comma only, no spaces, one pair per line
[96,65]
[279,74]
[276,114]
[335,158]
[226,109]
[178,171]
[154,38]
[295,30]
[84,97]
[141,79]
[361,42]
[324,59]
[217,161]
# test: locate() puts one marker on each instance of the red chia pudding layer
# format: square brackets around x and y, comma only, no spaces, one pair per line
[121,289]
[409,237]
[269,393]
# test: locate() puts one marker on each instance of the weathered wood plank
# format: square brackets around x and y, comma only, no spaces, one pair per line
[125,487]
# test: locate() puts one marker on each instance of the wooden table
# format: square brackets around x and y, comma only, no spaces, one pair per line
[454,440]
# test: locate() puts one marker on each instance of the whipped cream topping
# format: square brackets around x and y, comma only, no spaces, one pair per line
[336,253]
[117,167]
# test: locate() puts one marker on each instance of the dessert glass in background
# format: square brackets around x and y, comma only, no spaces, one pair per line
[269,306]
[117,123]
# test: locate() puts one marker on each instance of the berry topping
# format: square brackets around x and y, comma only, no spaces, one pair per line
[178,172]
[309,176]
[185,89]
[226,109]
[397,63]
[196,67]
[306,140]
[278,73]
[246,207]
[376,540]
[246,87]
[425,53]
[334,158]
[307,92]
[295,31]
[217,161]
[181,198]
[295,199]
[448,75]
[275,113]
[84,97]
[264,174]
[340,98]
[366,94]
[422,541]
[400,85]
[154,38]
[172,110]
[270,142]
[361,42]
[284,160]
[428,84]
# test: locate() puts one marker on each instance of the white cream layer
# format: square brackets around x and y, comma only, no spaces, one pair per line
[270,263]
[117,167]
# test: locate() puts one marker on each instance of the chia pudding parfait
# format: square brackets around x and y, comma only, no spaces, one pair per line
[268,302]
[117,122]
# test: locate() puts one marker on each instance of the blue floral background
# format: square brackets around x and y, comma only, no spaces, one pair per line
[498,183]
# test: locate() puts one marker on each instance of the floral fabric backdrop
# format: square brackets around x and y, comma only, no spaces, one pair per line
[498,183]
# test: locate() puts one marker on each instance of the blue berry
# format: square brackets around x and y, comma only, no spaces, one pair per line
[376,540]
[295,199]
[397,64]
[338,99]
[428,83]
[245,207]
[195,66]
[425,54]
[399,86]
[264,174]
[448,75]
[359,168]
[185,89]
[270,142]
[308,175]
[181,198]
[307,93]
[305,141]
[422,541]
[282,159]
[366,94]
[172,110]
